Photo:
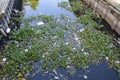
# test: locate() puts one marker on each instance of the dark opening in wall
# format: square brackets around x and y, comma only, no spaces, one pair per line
[18,4]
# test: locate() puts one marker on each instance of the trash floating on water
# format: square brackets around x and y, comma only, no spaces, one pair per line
[58,19]
[45,72]
[118,40]
[106,58]
[26,50]
[66,43]
[19,75]
[55,71]
[40,23]
[56,78]
[4,59]
[85,53]
[38,31]
[48,39]
[15,10]
[74,48]
[85,76]
[40,14]
[82,49]
[81,30]
[8,30]
[117,62]
[43,56]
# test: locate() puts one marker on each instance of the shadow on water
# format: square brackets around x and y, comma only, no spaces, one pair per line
[107,28]
[18,6]
[100,71]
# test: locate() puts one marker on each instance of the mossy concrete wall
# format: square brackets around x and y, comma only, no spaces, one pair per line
[108,12]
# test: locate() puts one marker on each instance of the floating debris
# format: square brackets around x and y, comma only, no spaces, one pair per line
[19,75]
[55,71]
[43,56]
[82,49]
[58,19]
[46,72]
[15,10]
[26,50]
[4,59]
[8,30]
[40,23]
[85,53]
[53,51]
[56,78]
[106,58]
[81,30]
[66,43]
[118,40]
[117,62]
[38,31]
[74,48]
[85,76]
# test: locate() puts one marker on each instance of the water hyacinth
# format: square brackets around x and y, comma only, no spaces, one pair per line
[44,42]
[95,41]
[54,43]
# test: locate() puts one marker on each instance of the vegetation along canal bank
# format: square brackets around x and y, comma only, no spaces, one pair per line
[50,46]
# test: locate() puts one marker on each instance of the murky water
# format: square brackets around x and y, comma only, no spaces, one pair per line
[94,72]
[47,7]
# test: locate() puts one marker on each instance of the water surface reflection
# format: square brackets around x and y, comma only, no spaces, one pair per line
[48,7]
[94,72]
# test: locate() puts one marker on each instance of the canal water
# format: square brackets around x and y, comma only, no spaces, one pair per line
[100,71]
[46,7]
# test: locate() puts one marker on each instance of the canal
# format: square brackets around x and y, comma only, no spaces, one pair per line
[60,40]
[101,71]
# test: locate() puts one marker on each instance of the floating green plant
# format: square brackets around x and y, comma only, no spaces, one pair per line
[96,42]
[54,47]
[43,42]
[64,5]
